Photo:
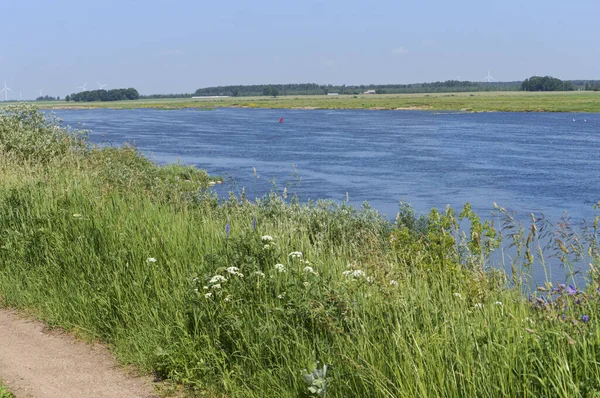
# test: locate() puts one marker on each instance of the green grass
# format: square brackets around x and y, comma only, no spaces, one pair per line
[104,242]
[575,101]
[4,393]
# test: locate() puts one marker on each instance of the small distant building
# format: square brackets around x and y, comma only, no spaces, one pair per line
[333,94]
[370,92]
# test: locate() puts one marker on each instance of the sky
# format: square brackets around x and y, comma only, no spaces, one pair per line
[178,46]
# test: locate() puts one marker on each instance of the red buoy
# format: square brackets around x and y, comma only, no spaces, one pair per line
[280,120]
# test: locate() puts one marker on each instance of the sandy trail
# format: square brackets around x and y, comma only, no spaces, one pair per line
[37,363]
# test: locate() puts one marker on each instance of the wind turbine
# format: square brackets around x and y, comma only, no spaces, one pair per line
[84,87]
[5,90]
[41,92]
[488,78]
[101,85]
[20,96]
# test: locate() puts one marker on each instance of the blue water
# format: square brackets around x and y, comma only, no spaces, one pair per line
[527,162]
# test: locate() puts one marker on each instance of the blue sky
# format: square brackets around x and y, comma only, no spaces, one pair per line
[173,46]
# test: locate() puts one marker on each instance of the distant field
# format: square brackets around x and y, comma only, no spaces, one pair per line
[576,101]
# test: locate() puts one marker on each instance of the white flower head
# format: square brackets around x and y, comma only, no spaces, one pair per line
[205,287]
[498,303]
[235,271]
[217,279]
[267,239]
[280,268]
[227,299]
[150,260]
[393,283]
[310,270]
[266,247]
[216,286]
[358,273]
[77,215]
[281,296]
[259,274]
[295,255]
[458,295]
[306,284]
[478,306]
[208,295]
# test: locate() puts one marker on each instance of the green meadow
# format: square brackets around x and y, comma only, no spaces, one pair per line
[573,101]
[270,297]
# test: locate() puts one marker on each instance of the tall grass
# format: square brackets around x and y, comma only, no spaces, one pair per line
[270,298]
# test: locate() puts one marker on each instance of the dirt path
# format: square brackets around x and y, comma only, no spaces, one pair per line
[37,363]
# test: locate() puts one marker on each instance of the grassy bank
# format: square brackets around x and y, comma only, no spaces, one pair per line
[253,298]
[577,101]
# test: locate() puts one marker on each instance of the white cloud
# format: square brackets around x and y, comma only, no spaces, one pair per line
[399,51]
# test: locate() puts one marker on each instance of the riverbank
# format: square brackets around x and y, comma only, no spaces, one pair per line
[271,298]
[576,101]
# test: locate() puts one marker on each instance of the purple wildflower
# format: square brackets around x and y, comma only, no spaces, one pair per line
[571,290]
[227,228]
[585,318]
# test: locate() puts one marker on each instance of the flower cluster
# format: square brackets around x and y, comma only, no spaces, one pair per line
[294,255]
[235,271]
[567,303]
[280,268]
[267,241]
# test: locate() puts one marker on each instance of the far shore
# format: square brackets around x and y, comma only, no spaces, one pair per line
[509,101]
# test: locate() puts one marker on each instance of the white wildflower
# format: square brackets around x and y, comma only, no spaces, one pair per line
[217,279]
[306,284]
[208,295]
[295,255]
[478,306]
[309,270]
[266,247]
[498,303]
[267,238]
[358,274]
[393,283]
[280,268]
[235,271]
[227,299]
[370,279]
[205,287]
[347,273]
[259,274]
[281,296]
[457,295]
[216,286]
[77,215]
[150,260]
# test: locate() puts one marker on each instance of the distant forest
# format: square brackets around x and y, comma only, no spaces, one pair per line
[534,83]
[317,89]
[118,94]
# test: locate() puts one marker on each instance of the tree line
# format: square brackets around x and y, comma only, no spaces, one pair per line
[320,89]
[118,94]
